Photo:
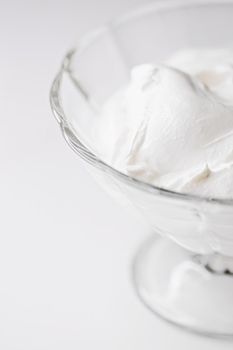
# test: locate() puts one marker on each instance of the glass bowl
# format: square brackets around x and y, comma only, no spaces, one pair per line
[184,272]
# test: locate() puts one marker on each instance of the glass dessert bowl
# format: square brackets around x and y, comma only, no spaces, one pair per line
[184,272]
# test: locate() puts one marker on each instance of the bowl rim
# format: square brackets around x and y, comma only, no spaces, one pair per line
[72,139]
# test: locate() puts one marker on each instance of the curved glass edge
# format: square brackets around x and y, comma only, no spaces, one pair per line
[76,144]
[169,5]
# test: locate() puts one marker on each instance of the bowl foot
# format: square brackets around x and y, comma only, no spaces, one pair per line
[175,284]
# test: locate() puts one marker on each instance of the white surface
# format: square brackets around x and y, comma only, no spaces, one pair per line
[65,247]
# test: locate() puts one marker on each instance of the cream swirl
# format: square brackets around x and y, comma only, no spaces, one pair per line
[172,126]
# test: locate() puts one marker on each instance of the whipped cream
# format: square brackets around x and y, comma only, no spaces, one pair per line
[172,126]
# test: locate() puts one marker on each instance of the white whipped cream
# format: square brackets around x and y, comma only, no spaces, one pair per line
[172,126]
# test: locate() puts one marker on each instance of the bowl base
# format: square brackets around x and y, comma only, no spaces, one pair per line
[174,284]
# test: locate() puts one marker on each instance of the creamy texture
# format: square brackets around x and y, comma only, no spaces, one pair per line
[172,126]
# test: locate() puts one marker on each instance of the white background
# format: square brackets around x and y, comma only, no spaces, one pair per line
[65,246]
